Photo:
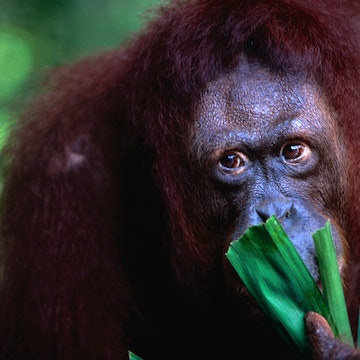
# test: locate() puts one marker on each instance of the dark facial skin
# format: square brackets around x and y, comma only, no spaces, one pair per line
[267,143]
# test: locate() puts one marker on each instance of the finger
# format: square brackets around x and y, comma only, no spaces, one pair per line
[320,335]
[323,342]
[317,325]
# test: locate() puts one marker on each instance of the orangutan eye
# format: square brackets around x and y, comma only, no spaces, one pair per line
[295,152]
[232,162]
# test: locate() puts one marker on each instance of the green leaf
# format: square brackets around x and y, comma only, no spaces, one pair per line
[275,275]
[132,356]
[331,282]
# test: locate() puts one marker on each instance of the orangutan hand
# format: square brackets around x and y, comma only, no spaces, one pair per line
[323,343]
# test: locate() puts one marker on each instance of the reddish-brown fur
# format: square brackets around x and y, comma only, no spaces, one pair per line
[90,269]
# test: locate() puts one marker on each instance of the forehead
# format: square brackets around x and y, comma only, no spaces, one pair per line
[256,98]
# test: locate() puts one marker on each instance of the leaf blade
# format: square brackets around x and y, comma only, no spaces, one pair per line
[331,282]
[278,279]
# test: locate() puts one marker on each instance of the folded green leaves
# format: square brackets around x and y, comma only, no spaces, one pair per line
[132,356]
[273,272]
[331,282]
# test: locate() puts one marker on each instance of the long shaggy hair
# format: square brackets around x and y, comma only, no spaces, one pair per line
[98,173]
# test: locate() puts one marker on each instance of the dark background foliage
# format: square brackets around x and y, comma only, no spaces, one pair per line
[36,35]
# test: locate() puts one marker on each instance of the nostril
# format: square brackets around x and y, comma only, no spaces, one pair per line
[281,208]
[263,215]
[291,211]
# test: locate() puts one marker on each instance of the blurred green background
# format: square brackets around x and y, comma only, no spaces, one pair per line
[36,35]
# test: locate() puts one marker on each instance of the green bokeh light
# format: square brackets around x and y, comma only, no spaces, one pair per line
[128,16]
[15,63]
[4,127]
